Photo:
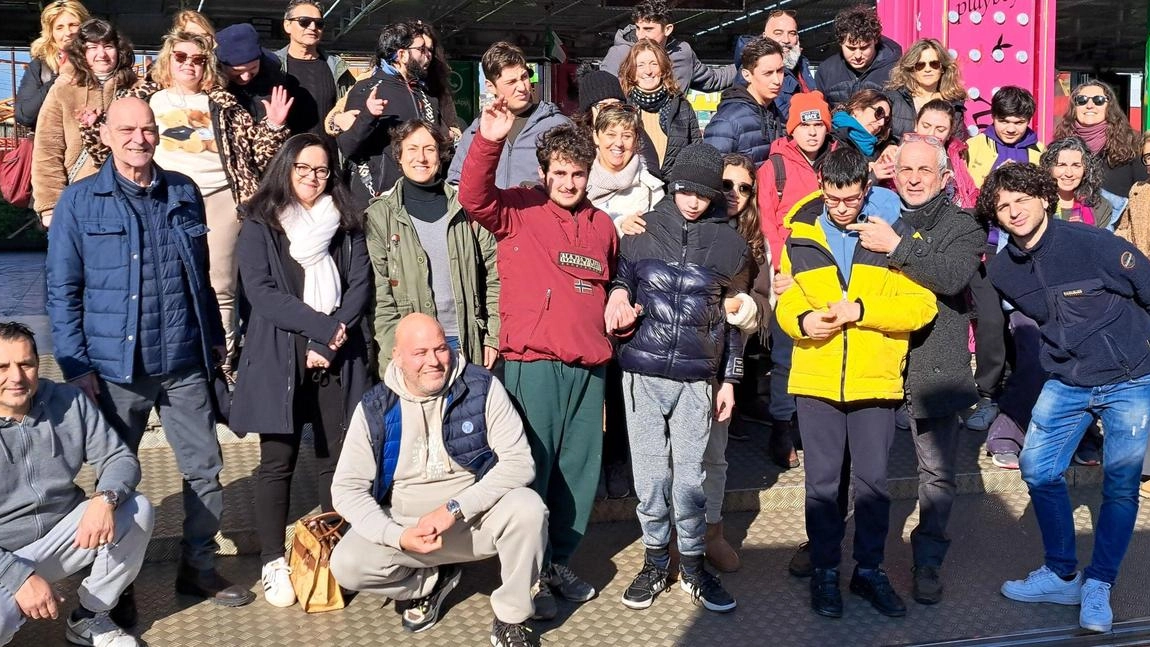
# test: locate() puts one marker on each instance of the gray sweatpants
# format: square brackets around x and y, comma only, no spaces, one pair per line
[668,423]
[114,566]
[715,469]
[515,529]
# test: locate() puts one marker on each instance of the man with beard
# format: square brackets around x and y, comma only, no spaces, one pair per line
[393,94]
[783,28]
[252,72]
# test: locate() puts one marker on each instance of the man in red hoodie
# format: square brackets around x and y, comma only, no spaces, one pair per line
[556,254]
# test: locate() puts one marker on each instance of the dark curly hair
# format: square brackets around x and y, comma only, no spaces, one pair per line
[567,142]
[859,23]
[405,130]
[1020,178]
[1093,172]
[1122,141]
[96,30]
[651,11]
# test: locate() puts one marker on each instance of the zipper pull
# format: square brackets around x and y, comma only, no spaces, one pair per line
[547,303]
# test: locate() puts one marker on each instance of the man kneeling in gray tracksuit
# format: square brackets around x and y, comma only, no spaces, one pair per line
[435,471]
[48,531]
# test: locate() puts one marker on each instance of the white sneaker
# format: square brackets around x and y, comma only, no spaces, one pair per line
[278,590]
[1043,585]
[1096,614]
[98,631]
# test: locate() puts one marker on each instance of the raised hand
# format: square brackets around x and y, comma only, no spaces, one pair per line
[277,106]
[496,121]
[375,106]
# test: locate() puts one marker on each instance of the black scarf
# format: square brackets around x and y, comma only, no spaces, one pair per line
[649,101]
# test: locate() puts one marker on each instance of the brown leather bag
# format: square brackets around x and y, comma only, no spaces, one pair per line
[311,577]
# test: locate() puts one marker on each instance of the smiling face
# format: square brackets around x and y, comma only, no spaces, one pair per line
[765,80]
[1068,170]
[304,36]
[64,29]
[19,372]
[918,177]
[615,146]
[565,181]
[419,157]
[130,132]
[741,189]
[873,118]
[423,356]
[1023,216]
[859,54]
[101,57]
[929,76]
[648,72]
[188,74]
[784,30]
[306,183]
[1090,114]
[934,123]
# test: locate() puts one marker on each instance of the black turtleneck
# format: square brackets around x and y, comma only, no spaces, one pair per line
[426,202]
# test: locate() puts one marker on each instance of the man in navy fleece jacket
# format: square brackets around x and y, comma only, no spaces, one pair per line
[1089,292]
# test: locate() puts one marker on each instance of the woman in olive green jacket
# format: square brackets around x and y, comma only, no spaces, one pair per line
[428,256]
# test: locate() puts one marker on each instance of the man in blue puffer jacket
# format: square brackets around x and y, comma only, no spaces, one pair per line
[676,275]
[135,322]
[747,120]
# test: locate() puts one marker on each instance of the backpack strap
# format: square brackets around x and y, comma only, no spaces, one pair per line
[780,173]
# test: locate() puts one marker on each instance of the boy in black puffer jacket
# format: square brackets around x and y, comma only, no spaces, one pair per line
[676,275]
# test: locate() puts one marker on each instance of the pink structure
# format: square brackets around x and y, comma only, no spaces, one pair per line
[996,43]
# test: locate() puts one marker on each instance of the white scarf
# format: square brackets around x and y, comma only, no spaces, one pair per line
[309,233]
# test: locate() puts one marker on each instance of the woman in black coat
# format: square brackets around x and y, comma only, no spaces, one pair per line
[59,23]
[305,272]
[648,80]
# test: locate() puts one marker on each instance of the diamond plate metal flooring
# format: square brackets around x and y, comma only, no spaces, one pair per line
[995,537]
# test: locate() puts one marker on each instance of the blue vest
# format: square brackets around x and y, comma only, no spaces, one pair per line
[464,428]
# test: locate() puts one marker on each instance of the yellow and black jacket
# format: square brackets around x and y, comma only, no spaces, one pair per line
[864,361]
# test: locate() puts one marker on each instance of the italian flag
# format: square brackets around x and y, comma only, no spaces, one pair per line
[553,47]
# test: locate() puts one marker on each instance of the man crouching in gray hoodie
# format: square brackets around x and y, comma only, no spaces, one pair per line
[48,530]
[435,471]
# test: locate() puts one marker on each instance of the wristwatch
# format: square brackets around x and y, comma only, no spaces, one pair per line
[111,497]
[454,509]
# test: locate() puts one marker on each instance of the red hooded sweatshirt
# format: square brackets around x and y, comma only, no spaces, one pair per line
[554,265]
[801,181]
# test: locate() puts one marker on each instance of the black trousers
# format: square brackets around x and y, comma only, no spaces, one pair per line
[319,399]
[989,334]
[828,429]
[936,447]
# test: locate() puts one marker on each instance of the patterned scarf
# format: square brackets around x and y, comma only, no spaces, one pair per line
[649,101]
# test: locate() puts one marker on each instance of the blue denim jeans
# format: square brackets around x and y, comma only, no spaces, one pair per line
[1060,419]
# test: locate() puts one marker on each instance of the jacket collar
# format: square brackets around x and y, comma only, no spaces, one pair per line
[104,183]
[1053,225]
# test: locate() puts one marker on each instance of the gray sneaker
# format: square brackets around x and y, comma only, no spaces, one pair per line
[568,585]
[98,631]
[984,414]
[1005,460]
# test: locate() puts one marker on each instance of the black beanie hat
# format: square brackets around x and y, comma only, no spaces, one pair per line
[698,169]
[596,86]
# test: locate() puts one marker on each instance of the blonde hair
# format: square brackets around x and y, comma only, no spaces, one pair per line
[187,17]
[162,70]
[949,82]
[628,66]
[44,47]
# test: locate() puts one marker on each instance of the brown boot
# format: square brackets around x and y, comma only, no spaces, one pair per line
[720,553]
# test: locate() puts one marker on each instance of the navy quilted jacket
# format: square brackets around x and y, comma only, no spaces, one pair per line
[96,279]
[741,125]
[680,272]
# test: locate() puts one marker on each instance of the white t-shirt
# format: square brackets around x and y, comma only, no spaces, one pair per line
[187,140]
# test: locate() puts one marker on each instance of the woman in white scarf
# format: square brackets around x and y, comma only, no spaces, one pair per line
[620,183]
[304,267]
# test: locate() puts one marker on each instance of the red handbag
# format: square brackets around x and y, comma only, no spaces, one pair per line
[16,173]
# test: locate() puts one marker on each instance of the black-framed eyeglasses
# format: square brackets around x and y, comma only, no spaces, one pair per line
[1082,99]
[303,170]
[922,65]
[745,190]
[306,22]
[851,202]
[1146,159]
[422,48]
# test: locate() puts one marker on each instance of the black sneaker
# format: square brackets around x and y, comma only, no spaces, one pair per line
[927,585]
[826,599]
[705,589]
[422,613]
[546,608]
[876,589]
[650,582]
[567,584]
[800,564]
[505,634]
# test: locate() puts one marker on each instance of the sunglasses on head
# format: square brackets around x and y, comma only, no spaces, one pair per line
[915,137]
[922,65]
[745,190]
[1082,99]
[306,22]
[781,12]
[184,57]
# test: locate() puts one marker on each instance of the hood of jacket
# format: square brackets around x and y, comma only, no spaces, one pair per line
[393,378]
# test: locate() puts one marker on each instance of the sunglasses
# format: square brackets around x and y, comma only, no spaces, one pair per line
[879,113]
[915,137]
[306,22]
[745,190]
[184,57]
[1082,99]
[922,65]
[618,107]
[425,50]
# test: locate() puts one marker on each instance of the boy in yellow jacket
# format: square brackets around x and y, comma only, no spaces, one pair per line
[851,317]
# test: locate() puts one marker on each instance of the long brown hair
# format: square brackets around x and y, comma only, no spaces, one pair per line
[1122,141]
[96,30]
[949,82]
[627,67]
[748,225]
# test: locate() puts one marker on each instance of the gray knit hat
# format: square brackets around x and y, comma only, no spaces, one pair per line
[698,169]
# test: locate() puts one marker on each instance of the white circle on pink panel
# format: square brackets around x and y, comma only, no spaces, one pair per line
[974,93]
[972,130]
[953,53]
[976,17]
[1023,19]
[975,55]
[999,17]
[952,17]
[997,55]
[1022,56]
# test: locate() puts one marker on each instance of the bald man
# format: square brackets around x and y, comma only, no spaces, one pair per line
[135,321]
[435,472]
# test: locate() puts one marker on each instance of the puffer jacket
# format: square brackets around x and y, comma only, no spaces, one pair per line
[95,273]
[37,81]
[838,81]
[800,181]
[403,273]
[678,121]
[680,272]
[866,359]
[517,163]
[689,71]
[798,79]
[245,146]
[741,125]
[983,155]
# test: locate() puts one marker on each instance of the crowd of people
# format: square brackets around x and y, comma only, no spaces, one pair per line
[484,327]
